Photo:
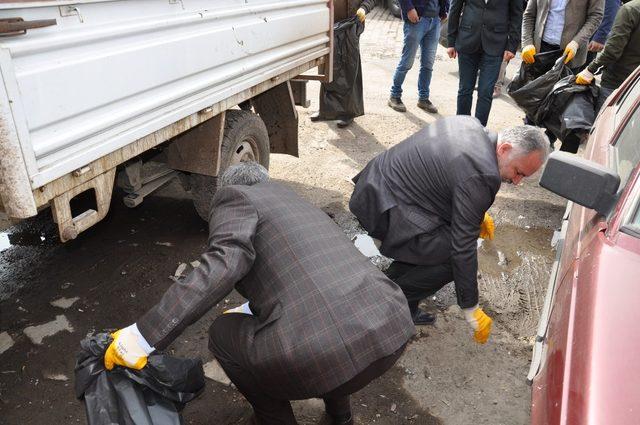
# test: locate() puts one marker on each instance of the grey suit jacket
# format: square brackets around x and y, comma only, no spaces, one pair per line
[581,20]
[425,198]
[324,311]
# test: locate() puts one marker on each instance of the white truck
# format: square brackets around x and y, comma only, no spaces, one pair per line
[92,89]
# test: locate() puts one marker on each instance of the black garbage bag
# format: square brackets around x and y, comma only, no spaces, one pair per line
[153,395]
[578,116]
[342,98]
[569,111]
[535,81]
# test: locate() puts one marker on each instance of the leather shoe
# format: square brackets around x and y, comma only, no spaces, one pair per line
[345,123]
[315,117]
[396,104]
[427,106]
[423,318]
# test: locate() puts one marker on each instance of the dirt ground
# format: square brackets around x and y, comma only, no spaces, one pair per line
[118,269]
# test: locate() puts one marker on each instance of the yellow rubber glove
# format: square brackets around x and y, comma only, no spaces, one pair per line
[480,322]
[584,77]
[128,349]
[528,52]
[487,227]
[361,14]
[570,51]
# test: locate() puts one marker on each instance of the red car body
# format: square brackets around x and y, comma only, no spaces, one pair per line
[586,367]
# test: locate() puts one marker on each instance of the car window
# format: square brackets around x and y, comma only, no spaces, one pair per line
[628,148]
[627,101]
[632,223]
[635,220]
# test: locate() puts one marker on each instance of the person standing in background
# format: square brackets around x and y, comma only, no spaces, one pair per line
[421,29]
[596,44]
[485,36]
[562,25]
[620,55]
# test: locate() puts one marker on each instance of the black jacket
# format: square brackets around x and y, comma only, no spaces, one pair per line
[492,27]
[426,197]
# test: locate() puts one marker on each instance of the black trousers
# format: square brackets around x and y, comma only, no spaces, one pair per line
[269,404]
[419,282]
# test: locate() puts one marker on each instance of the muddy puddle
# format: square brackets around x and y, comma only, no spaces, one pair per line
[513,275]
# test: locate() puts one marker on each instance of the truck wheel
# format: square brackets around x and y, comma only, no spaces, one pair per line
[245,139]
[394,7]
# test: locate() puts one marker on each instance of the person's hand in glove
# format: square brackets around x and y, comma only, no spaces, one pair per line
[480,322]
[584,77]
[528,53]
[570,51]
[128,349]
[487,227]
[361,14]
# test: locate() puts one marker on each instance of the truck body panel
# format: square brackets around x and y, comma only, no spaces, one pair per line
[114,78]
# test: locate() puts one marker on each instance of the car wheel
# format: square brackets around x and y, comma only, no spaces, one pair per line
[394,7]
[245,139]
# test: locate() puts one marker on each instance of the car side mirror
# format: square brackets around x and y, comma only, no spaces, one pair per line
[582,181]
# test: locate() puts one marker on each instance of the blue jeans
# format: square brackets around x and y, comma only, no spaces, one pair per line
[425,33]
[485,69]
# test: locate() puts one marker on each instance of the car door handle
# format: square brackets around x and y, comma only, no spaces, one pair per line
[18,26]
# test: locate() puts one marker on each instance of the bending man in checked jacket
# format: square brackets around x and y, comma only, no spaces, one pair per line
[325,320]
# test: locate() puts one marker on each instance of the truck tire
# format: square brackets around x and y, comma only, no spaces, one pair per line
[245,139]
[394,7]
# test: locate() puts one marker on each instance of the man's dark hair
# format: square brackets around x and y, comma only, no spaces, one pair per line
[246,174]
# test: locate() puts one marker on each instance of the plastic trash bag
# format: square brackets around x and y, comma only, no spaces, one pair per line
[569,111]
[342,98]
[153,395]
[535,81]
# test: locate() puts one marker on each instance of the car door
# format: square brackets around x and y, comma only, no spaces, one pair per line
[564,349]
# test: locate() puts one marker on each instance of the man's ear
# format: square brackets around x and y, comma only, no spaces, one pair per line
[504,148]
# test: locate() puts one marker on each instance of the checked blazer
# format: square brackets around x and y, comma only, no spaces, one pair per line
[324,311]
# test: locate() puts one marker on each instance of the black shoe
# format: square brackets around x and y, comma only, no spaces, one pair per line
[396,104]
[423,318]
[345,123]
[427,106]
[315,117]
[346,419]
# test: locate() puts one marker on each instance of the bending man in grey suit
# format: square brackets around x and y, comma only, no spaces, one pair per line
[425,200]
[325,320]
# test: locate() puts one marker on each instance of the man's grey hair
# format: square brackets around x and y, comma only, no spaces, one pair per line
[246,174]
[526,139]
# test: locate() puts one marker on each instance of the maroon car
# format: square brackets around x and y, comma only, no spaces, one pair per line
[586,361]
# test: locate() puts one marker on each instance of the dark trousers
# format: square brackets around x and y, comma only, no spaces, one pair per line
[269,400]
[419,282]
[482,68]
